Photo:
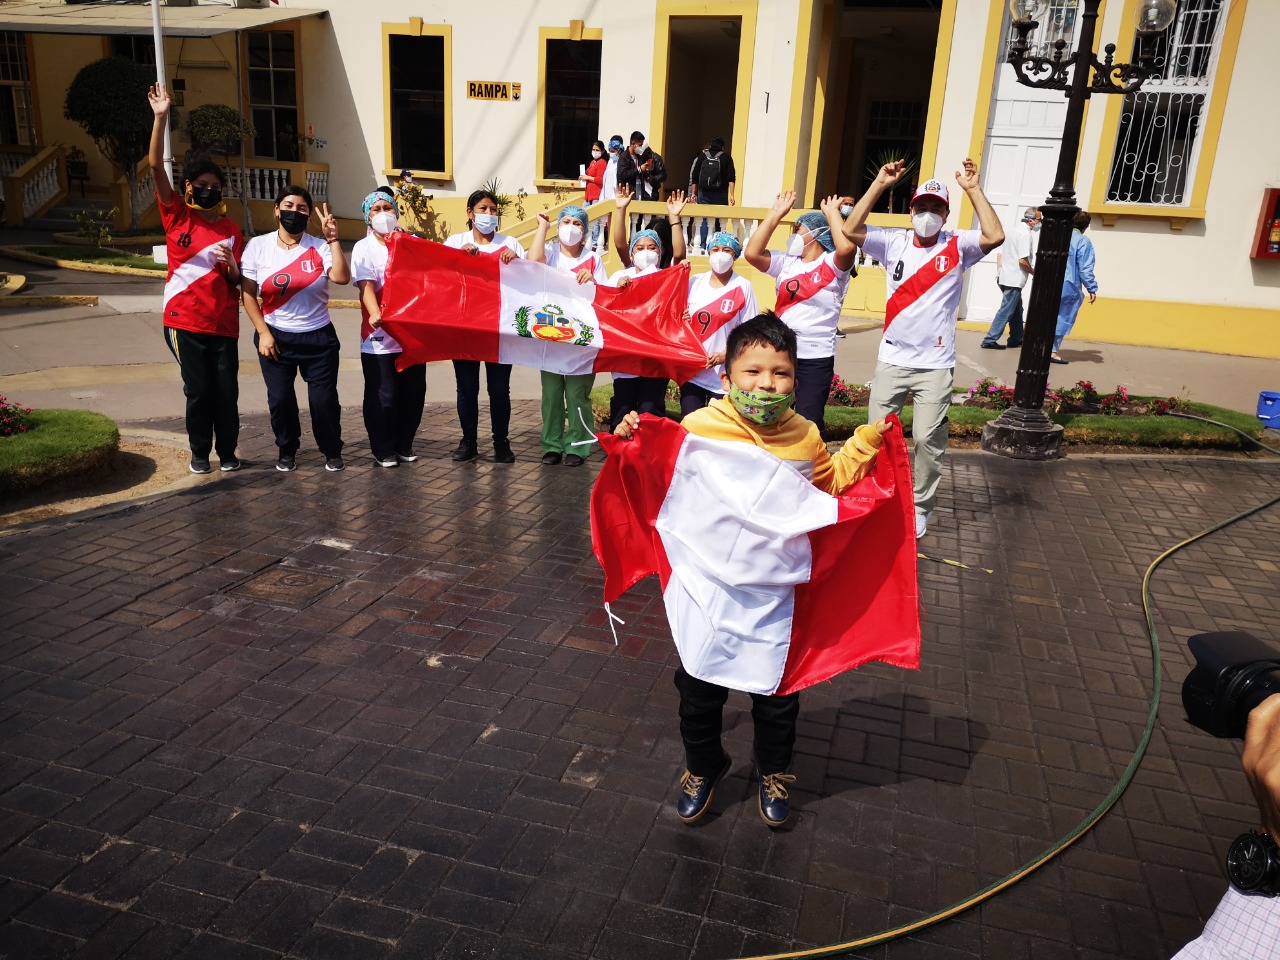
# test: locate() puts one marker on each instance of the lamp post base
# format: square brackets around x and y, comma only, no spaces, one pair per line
[1023,434]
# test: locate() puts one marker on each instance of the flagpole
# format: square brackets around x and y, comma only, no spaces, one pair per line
[158,35]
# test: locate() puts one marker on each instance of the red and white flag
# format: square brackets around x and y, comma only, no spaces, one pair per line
[770,584]
[445,304]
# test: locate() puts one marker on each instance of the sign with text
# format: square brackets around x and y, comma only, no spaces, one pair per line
[492,90]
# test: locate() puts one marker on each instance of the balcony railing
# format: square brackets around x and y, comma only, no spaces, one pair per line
[33,186]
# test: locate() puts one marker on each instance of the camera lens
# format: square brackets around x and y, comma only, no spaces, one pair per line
[1234,673]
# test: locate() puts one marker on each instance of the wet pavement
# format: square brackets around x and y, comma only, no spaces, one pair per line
[380,714]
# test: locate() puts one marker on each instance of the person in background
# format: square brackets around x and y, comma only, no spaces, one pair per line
[712,179]
[846,208]
[482,237]
[201,306]
[1013,267]
[811,277]
[291,270]
[593,181]
[393,399]
[1079,278]
[641,171]
[720,301]
[567,394]
[608,191]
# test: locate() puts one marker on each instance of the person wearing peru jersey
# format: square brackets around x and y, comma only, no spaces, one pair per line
[291,270]
[393,399]
[201,296]
[719,301]
[924,270]
[811,277]
[483,237]
[567,395]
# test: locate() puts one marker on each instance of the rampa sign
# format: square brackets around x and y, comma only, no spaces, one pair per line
[492,90]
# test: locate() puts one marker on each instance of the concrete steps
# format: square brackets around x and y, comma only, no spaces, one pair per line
[62,218]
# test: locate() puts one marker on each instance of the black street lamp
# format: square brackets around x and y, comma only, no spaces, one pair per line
[1024,431]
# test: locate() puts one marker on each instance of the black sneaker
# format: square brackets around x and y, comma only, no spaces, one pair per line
[502,452]
[992,346]
[199,465]
[551,458]
[1015,343]
[465,451]
[774,808]
[387,461]
[229,465]
[406,457]
[286,463]
[335,465]
[573,460]
[696,793]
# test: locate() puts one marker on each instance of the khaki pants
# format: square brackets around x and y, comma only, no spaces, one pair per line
[929,424]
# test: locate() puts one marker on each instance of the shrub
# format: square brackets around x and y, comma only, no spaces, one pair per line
[846,394]
[14,418]
[1114,404]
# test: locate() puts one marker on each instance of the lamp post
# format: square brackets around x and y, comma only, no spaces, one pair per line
[1024,431]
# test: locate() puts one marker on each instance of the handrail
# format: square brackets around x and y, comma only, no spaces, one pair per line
[35,186]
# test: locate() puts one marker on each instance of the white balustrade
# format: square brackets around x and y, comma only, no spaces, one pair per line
[41,187]
[318,185]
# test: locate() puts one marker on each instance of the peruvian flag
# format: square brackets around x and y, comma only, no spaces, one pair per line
[770,584]
[445,304]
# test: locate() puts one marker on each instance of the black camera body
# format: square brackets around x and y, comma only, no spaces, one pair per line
[1234,672]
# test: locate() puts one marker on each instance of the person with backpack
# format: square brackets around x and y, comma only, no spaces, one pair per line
[712,179]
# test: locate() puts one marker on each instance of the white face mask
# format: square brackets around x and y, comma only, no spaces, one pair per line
[926,224]
[383,222]
[796,245]
[485,223]
[846,210]
[595,154]
[570,234]
[721,261]
[644,259]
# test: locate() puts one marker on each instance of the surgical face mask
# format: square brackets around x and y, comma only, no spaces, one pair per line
[294,221]
[570,234]
[846,210]
[206,198]
[926,223]
[796,245]
[644,259]
[485,223]
[721,261]
[383,222]
[760,406]
[595,154]
[1034,226]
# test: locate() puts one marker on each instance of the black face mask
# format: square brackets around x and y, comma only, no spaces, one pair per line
[206,198]
[294,221]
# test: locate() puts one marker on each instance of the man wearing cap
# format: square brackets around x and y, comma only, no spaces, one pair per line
[924,272]
[1013,266]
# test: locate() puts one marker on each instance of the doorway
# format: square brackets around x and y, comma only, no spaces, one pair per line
[701,94]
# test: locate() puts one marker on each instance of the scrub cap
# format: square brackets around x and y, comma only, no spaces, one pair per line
[573,211]
[723,239]
[640,235]
[373,198]
[819,229]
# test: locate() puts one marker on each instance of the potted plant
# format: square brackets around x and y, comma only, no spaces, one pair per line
[77,164]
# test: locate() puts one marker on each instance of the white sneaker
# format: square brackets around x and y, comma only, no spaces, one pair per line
[922,523]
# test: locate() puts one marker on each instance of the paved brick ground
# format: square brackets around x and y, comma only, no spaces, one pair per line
[380,714]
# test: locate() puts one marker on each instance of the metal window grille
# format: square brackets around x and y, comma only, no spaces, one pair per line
[1060,23]
[1158,142]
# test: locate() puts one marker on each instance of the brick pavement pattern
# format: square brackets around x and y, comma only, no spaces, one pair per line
[380,714]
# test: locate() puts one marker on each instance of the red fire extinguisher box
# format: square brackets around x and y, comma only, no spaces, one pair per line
[1266,240]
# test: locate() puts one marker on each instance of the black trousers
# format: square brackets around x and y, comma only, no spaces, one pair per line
[498,382]
[701,720]
[392,403]
[694,397]
[641,394]
[210,367]
[314,354]
[813,386]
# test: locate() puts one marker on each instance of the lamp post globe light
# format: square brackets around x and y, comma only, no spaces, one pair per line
[1024,431]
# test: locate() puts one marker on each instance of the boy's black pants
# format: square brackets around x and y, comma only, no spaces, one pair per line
[641,394]
[392,403]
[701,716]
[813,387]
[314,354]
[210,366]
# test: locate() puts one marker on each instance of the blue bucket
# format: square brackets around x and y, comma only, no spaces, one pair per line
[1269,409]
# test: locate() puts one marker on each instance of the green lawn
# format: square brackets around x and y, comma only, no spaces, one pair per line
[60,443]
[1171,433]
[104,255]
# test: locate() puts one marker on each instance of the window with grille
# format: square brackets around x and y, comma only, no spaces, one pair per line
[1158,139]
[273,93]
[573,106]
[15,90]
[1059,23]
[417,102]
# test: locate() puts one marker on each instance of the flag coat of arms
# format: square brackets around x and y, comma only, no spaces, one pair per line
[445,304]
[770,584]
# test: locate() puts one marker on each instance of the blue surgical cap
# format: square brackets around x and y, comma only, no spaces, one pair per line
[641,234]
[575,212]
[723,239]
[819,229]
[373,198]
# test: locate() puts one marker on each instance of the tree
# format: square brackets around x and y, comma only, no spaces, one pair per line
[218,128]
[109,99]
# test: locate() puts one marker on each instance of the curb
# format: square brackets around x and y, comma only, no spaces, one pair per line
[51,300]
[16,282]
[22,253]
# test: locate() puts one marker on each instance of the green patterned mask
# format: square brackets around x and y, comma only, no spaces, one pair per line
[759,406]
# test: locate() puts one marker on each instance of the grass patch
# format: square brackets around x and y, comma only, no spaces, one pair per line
[100,255]
[1167,433]
[59,444]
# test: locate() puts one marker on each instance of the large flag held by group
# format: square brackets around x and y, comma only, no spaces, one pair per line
[445,304]
[770,584]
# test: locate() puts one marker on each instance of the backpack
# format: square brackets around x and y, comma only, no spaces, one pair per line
[709,175]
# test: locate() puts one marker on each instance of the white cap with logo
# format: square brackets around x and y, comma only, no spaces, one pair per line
[932,188]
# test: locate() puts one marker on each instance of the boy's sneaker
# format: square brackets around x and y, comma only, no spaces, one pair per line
[774,807]
[922,523]
[286,463]
[335,465]
[200,465]
[388,462]
[406,457]
[229,465]
[696,793]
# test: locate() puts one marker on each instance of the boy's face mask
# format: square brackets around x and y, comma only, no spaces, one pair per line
[760,406]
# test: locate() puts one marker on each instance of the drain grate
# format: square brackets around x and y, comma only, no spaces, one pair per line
[287,587]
